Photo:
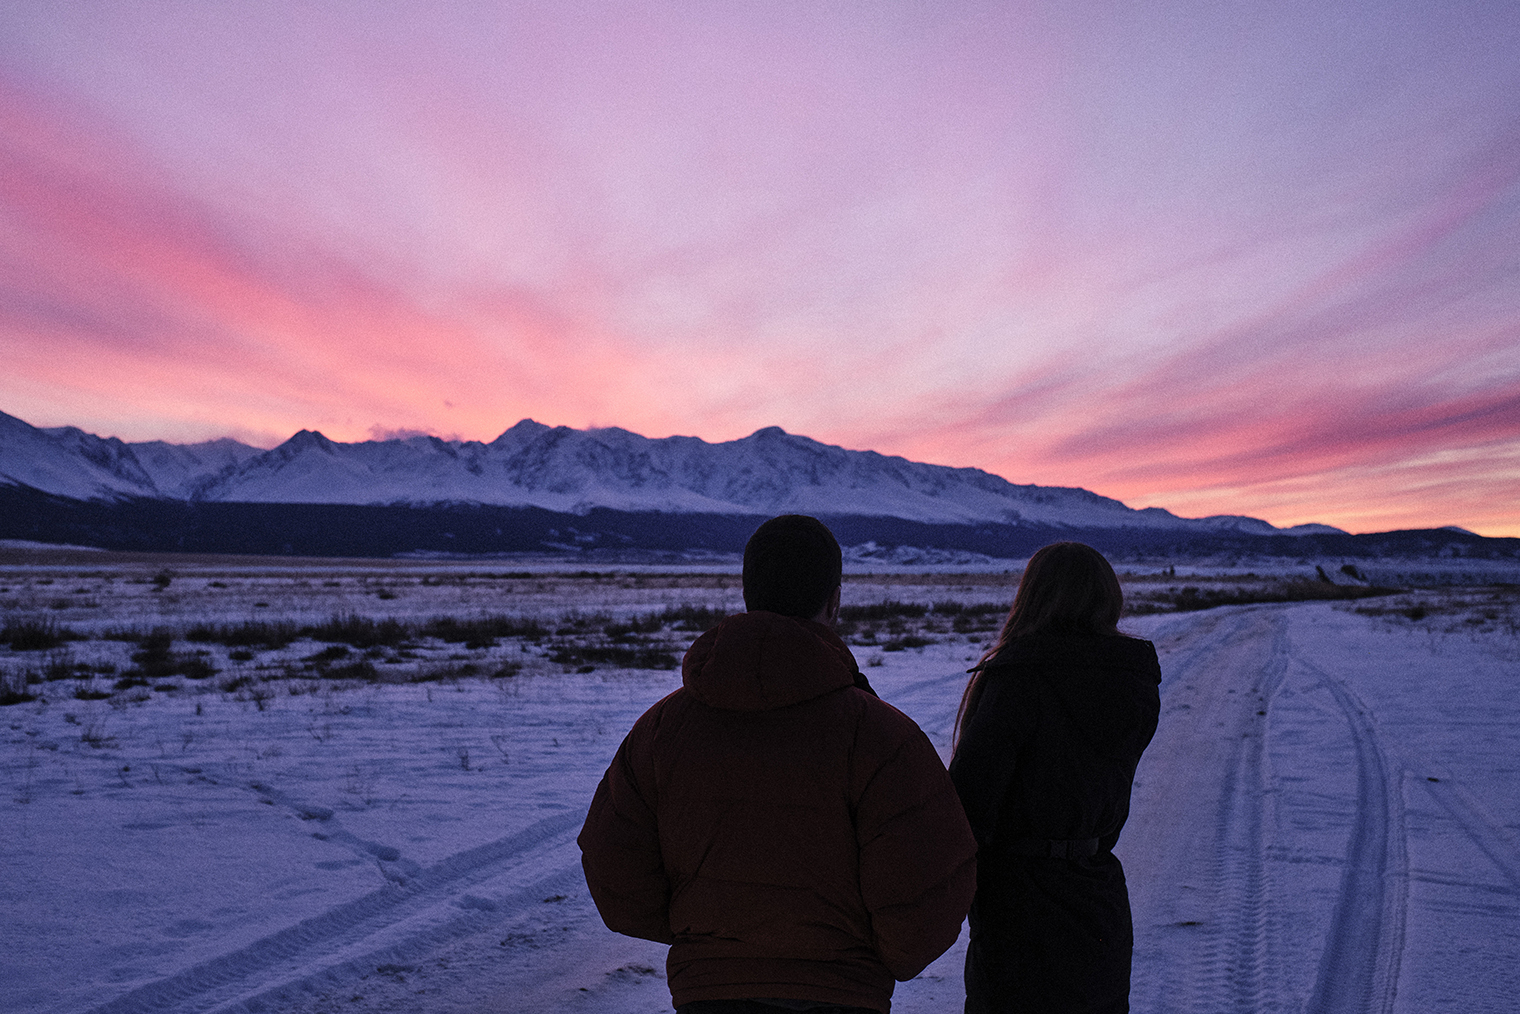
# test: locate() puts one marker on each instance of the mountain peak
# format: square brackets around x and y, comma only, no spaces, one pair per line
[308,440]
[524,429]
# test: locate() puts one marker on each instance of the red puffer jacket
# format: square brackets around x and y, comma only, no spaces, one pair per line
[790,836]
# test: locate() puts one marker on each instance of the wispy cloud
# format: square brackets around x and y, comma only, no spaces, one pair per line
[1265,266]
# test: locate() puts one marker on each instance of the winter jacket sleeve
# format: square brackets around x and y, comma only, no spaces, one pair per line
[986,758]
[917,855]
[620,853]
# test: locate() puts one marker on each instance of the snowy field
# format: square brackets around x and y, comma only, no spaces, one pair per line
[350,815]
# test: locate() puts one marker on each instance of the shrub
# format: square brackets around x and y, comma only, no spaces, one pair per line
[996,609]
[154,660]
[94,734]
[360,669]
[36,635]
[446,671]
[13,688]
[61,666]
[359,631]
[260,694]
[248,634]
[153,657]
[481,631]
[877,611]
[950,607]
[194,667]
[651,623]
[1191,598]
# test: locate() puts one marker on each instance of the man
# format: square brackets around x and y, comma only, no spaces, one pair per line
[795,840]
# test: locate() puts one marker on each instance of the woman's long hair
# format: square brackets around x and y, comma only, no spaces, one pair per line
[1067,588]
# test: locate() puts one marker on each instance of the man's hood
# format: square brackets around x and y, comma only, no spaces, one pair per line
[757,661]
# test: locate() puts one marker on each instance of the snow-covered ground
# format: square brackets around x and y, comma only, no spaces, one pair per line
[1328,820]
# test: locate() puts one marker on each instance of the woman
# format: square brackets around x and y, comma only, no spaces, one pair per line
[1051,726]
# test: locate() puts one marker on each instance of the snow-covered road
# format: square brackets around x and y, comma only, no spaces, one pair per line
[1327,821]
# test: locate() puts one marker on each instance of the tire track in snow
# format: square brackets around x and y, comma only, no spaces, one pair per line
[393,865]
[1359,968]
[309,984]
[1199,637]
[1231,972]
[313,948]
[1194,848]
[1486,831]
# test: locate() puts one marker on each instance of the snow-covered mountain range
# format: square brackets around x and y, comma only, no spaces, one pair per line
[569,471]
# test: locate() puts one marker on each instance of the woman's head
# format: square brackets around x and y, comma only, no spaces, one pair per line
[1067,588]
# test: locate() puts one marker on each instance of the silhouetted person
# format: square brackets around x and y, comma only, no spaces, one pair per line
[795,840]
[1051,726]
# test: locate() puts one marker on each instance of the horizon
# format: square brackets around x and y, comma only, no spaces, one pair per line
[1224,265]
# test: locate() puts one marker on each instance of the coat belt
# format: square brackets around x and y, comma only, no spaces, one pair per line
[1052,848]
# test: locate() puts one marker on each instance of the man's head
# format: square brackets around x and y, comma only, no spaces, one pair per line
[792,566]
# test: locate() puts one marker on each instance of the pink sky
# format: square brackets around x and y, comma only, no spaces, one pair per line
[1261,260]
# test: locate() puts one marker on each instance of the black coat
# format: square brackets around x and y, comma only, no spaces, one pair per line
[1049,755]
